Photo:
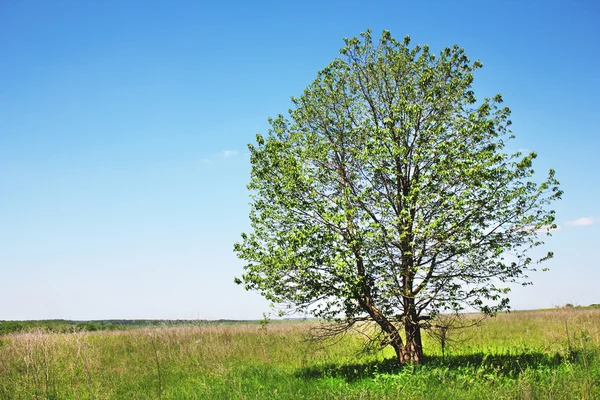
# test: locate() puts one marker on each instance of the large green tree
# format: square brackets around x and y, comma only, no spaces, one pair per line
[386,196]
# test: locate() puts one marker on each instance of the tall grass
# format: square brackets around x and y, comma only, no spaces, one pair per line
[523,355]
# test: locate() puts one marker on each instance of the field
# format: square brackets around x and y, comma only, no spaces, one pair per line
[551,354]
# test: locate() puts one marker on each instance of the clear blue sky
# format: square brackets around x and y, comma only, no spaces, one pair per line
[124,124]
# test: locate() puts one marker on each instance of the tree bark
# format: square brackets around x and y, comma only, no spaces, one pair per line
[413,347]
[393,336]
[367,303]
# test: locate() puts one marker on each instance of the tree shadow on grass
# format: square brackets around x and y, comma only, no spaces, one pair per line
[508,365]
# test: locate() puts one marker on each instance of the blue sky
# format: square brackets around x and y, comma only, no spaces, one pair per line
[124,124]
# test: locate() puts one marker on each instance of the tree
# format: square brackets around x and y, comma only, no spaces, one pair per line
[386,196]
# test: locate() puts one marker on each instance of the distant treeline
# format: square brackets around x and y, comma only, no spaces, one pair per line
[65,326]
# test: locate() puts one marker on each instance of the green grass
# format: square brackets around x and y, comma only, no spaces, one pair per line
[552,354]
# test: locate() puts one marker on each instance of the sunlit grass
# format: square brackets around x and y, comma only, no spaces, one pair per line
[523,355]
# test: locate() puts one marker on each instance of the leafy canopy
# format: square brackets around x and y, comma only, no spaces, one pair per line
[387,190]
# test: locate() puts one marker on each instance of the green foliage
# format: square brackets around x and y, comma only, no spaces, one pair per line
[386,194]
[58,326]
[265,321]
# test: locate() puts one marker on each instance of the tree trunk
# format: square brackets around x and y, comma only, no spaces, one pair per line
[393,336]
[396,343]
[412,350]
[413,347]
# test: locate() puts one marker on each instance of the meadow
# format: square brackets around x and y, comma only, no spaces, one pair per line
[548,354]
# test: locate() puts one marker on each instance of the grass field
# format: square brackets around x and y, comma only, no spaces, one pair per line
[552,354]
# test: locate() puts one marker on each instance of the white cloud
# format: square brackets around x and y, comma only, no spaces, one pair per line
[207,161]
[584,221]
[228,153]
